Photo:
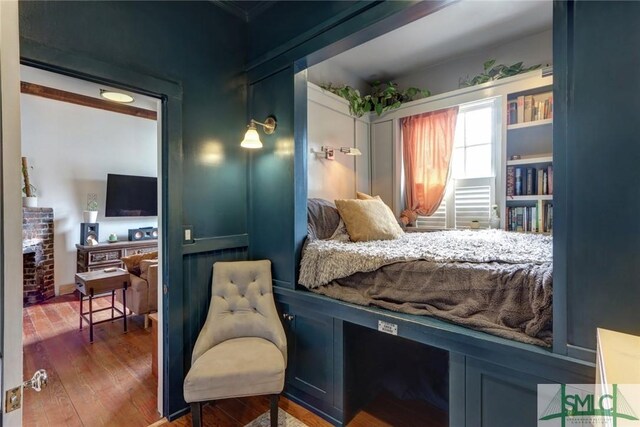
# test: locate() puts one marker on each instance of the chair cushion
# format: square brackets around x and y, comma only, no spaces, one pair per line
[132,262]
[144,267]
[235,368]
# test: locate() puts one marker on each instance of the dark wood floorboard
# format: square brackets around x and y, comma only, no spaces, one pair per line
[107,383]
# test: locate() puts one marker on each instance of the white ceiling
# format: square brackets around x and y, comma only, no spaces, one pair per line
[454,31]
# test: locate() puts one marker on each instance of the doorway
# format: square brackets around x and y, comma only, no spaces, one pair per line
[75,145]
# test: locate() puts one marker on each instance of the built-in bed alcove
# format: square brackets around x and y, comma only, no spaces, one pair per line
[344,360]
[492,146]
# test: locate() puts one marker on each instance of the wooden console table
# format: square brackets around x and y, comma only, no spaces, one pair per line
[105,255]
[95,283]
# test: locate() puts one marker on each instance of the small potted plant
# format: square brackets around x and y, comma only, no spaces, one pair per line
[91,213]
[29,198]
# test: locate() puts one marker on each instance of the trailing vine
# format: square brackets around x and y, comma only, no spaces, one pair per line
[383,97]
[496,72]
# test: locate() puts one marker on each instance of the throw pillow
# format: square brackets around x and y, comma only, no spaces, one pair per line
[364,196]
[132,262]
[144,266]
[368,220]
[322,217]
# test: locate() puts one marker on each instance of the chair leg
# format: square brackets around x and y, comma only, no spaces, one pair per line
[274,410]
[196,414]
[146,321]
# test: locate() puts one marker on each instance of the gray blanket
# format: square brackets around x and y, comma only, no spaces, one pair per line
[509,294]
[327,260]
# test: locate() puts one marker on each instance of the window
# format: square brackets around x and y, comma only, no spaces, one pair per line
[471,186]
[473,146]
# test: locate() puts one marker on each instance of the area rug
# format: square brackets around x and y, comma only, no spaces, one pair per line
[284,420]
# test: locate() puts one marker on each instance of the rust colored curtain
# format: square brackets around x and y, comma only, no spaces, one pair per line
[427,143]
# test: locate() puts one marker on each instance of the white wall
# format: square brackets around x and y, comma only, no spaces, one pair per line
[72,149]
[444,77]
[330,124]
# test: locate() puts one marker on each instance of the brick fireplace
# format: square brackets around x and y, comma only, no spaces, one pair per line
[37,253]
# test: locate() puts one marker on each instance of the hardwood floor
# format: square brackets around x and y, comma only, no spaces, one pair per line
[383,411]
[239,412]
[109,382]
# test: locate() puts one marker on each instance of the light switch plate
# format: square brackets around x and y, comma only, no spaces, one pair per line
[187,234]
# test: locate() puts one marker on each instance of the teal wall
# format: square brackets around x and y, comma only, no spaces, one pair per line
[292,21]
[596,151]
[200,49]
[195,44]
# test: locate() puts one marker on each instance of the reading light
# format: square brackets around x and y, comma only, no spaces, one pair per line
[325,152]
[116,96]
[350,151]
[251,138]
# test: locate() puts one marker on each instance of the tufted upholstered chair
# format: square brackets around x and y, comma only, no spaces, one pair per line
[242,348]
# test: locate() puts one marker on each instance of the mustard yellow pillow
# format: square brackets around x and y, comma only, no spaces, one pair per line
[132,262]
[365,196]
[144,266]
[368,220]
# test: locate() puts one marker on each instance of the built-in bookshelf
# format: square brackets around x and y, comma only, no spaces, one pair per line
[528,178]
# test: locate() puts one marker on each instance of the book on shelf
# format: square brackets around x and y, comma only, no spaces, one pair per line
[540,184]
[511,180]
[529,108]
[530,219]
[512,112]
[523,181]
[520,109]
[530,177]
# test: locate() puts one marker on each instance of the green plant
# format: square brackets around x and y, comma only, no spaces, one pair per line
[383,97]
[33,191]
[495,72]
[92,202]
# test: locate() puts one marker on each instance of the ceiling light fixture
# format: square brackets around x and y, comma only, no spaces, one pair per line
[120,97]
[252,139]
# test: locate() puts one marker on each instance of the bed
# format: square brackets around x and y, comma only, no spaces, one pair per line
[489,280]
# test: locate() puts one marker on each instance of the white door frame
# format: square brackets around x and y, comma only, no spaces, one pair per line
[11,244]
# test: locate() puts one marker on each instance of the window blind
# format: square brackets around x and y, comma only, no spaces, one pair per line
[472,203]
[437,221]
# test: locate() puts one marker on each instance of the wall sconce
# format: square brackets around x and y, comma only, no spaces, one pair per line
[328,153]
[350,151]
[251,137]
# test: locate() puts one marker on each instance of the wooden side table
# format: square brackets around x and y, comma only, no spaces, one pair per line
[100,283]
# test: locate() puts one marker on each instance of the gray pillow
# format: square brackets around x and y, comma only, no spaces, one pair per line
[322,219]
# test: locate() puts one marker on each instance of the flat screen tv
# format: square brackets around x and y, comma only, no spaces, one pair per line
[129,195]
